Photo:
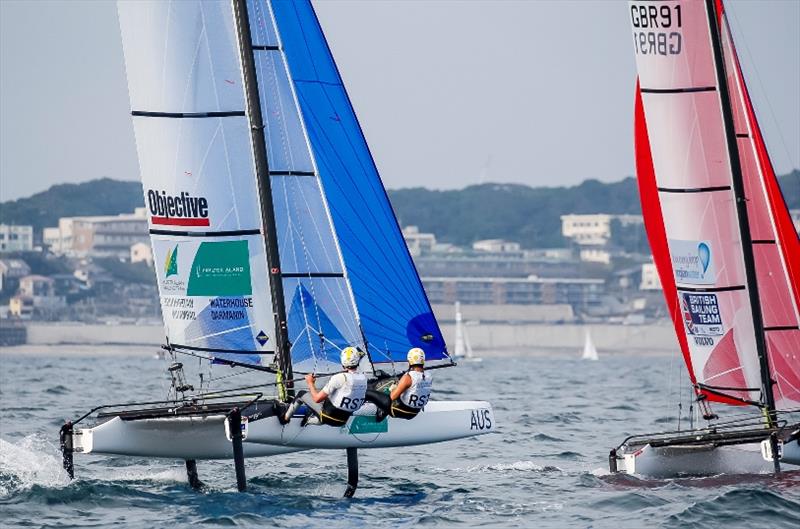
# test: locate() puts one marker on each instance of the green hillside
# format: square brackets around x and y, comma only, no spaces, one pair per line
[529,215]
[96,197]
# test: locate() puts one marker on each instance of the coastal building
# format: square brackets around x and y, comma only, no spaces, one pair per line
[418,243]
[650,279]
[35,294]
[594,229]
[11,271]
[496,246]
[16,238]
[595,254]
[580,294]
[101,236]
[795,213]
[142,252]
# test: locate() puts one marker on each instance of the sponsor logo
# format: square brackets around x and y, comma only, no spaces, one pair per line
[480,420]
[702,317]
[220,269]
[692,262]
[171,262]
[262,338]
[177,210]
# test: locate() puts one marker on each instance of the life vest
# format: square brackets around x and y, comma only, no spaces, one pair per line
[350,396]
[417,395]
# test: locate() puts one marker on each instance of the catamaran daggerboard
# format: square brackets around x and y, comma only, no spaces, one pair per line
[723,243]
[275,245]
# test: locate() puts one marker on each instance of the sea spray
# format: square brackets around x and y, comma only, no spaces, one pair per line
[33,460]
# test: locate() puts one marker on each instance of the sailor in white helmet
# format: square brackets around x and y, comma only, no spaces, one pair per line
[339,399]
[409,395]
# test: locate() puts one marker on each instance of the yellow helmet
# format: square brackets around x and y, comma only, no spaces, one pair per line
[416,357]
[350,357]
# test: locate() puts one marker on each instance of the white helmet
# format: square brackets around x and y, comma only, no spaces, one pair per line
[416,357]
[350,357]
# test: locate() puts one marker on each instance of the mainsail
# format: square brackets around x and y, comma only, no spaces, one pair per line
[271,229]
[193,140]
[718,226]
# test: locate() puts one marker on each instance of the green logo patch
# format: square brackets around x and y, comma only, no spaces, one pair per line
[367,424]
[220,269]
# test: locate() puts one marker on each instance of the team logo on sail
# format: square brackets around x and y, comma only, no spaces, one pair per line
[702,317]
[171,262]
[177,210]
[692,262]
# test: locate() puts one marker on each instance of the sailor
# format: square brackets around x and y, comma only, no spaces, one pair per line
[411,393]
[342,396]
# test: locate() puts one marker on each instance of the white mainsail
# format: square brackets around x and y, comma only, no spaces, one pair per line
[589,350]
[463,349]
[196,163]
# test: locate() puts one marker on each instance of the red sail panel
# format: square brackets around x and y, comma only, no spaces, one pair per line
[690,178]
[654,225]
[776,245]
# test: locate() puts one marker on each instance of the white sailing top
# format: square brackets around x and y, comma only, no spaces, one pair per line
[417,395]
[346,390]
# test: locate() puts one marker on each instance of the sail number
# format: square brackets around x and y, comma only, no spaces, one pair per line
[649,35]
[480,420]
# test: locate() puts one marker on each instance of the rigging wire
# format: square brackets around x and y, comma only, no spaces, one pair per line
[752,64]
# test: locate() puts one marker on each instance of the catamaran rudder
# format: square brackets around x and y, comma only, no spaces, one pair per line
[274,242]
[722,241]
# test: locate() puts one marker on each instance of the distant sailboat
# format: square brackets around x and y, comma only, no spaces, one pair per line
[463,349]
[274,240]
[589,350]
[723,243]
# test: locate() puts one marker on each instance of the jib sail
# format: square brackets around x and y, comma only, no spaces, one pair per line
[715,218]
[393,310]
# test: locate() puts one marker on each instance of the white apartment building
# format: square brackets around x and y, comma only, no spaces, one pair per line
[101,236]
[418,243]
[595,229]
[496,246]
[15,238]
[650,278]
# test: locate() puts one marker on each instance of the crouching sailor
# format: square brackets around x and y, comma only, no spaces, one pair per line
[409,395]
[342,396]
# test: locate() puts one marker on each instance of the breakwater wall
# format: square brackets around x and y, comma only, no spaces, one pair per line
[487,339]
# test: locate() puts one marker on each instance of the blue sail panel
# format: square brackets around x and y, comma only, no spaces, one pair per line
[320,322]
[394,311]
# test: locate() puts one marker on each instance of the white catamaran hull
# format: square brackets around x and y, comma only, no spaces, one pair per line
[173,438]
[704,460]
[205,438]
[441,421]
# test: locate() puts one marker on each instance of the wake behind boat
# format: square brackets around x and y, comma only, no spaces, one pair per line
[274,243]
[723,243]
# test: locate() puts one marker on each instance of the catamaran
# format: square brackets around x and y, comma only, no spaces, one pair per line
[274,242]
[723,243]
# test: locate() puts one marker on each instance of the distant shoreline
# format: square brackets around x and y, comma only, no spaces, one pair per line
[488,340]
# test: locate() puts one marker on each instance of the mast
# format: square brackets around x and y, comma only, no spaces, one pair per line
[253,104]
[741,212]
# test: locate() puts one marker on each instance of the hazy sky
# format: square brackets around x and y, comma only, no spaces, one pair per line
[449,93]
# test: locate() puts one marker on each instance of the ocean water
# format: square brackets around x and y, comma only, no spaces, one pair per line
[545,467]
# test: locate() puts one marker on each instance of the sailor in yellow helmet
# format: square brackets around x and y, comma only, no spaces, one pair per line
[339,399]
[411,393]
